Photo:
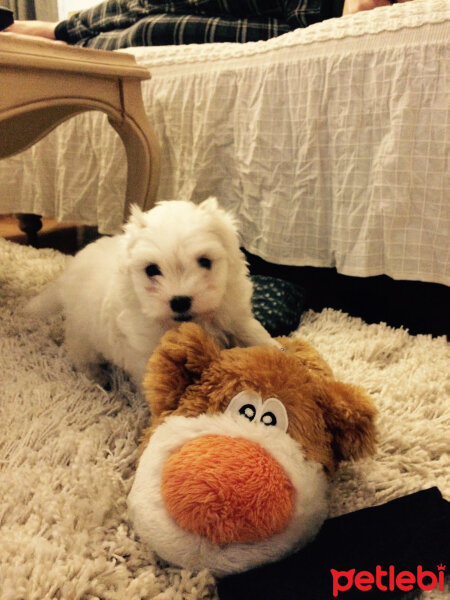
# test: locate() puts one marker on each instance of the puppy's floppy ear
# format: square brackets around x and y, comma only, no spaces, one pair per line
[135,224]
[209,205]
[177,362]
[349,414]
[136,218]
[221,219]
[224,226]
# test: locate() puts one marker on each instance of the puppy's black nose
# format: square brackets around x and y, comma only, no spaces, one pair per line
[180,304]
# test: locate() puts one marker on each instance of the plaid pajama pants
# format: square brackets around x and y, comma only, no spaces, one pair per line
[117,24]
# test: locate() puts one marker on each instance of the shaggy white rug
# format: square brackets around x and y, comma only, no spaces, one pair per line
[68,448]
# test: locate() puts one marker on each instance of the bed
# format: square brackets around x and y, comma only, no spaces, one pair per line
[329,144]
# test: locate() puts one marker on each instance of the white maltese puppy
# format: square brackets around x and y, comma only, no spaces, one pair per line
[177,262]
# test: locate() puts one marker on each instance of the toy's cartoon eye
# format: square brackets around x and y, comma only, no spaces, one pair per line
[245,404]
[269,418]
[205,262]
[273,414]
[248,411]
[152,270]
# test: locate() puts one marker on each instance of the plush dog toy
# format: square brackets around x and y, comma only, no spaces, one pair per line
[236,464]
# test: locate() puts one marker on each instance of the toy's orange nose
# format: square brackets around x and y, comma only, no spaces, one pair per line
[227,489]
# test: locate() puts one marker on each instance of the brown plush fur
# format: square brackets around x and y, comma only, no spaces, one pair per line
[188,374]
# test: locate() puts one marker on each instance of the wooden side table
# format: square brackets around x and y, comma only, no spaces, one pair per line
[43,84]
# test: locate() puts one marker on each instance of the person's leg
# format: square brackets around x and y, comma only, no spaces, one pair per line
[242,9]
[117,23]
[106,16]
[163,30]
[92,27]
[110,15]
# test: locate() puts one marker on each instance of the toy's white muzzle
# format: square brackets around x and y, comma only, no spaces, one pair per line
[225,494]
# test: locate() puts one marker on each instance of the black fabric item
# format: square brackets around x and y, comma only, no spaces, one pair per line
[277,304]
[407,532]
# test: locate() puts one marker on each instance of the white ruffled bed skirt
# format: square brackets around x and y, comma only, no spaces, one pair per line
[329,144]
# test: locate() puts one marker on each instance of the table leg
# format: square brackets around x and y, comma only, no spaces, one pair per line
[30,225]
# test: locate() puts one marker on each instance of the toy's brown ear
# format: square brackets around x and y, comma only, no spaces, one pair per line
[308,355]
[178,361]
[349,414]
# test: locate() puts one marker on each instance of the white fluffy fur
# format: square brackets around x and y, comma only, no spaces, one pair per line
[160,532]
[115,312]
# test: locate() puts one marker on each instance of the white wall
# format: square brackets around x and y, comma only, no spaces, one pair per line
[67,6]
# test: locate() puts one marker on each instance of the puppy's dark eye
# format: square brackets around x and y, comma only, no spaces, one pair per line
[204,262]
[152,270]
